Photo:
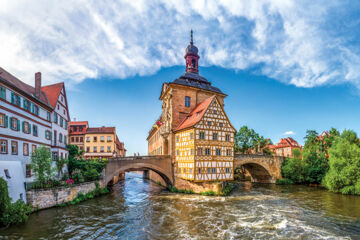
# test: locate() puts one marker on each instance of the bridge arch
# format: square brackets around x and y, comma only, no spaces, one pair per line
[159,164]
[258,171]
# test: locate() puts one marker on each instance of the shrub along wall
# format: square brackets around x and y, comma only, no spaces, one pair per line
[46,198]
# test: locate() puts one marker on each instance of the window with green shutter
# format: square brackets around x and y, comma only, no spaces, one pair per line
[35,131]
[2,93]
[18,125]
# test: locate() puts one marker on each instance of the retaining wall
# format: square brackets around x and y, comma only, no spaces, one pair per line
[46,198]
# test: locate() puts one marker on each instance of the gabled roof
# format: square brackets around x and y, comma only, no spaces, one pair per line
[287,142]
[53,92]
[196,114]
[25,88]
[101,130]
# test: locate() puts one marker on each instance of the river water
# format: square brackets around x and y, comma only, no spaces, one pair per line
[139,209]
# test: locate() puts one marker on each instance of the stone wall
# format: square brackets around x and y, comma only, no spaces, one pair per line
[46,198]
[216,187]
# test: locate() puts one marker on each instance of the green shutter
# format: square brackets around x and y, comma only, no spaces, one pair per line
[23,127]
[29,128]
[11,127]
[6,121]
[50,133]
[18,125]
[12,98]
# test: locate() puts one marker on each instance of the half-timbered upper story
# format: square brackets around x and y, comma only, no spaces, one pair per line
[205,143]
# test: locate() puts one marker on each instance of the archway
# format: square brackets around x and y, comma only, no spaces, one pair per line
[257,172]
[140,167]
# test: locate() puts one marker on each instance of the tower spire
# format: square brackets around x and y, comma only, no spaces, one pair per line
[191,37]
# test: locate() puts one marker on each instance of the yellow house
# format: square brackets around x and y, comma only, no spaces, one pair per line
[102,142]
[204,144]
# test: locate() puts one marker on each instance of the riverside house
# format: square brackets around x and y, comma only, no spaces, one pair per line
[29,117]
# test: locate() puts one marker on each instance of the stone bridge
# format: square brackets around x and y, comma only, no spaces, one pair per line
[116,167]
[261,168]
[265,169]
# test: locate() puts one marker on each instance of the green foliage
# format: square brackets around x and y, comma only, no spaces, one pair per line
[11,213]
[247,138]
[91,174]
[60,164]
[227,189]
[175,190]
[294,169]
[78,176]
[344,161]
[52,183]
[296,153]
[311,165]
[90,169]
[41,164]
[284,182]
[208,193]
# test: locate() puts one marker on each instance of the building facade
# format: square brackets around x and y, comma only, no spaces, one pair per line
[205,144]
[285,147]
[26,122]
[102,142]
[77,130]
[179,98]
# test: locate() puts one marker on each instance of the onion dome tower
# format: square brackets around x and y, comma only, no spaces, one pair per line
[191,56]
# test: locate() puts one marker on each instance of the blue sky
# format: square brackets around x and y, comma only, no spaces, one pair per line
[286,65]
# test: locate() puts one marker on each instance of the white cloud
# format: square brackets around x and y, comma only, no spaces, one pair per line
[295,42]
[289,133]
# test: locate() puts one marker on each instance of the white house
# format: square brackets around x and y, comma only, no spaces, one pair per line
[31,117]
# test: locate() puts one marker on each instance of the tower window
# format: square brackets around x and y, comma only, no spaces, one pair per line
[193,63]
[187,101]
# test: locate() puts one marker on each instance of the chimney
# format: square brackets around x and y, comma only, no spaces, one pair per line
[38,84]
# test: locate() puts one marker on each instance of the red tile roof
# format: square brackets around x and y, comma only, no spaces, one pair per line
[101,130]
[287,142]
[53,92]
[27,89]
[195,115]
[79,123]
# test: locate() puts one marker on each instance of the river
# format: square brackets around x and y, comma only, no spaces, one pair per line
[140,209]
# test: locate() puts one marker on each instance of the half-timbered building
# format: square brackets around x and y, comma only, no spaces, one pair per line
[205,144]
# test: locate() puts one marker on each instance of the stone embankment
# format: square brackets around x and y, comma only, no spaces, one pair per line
[47,198]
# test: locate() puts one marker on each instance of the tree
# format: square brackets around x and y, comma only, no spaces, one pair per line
[60,164]
[311,165]
[296,153]
[247,138]
[41,164]
[344,165]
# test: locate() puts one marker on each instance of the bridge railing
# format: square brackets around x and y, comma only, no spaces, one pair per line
[146,157]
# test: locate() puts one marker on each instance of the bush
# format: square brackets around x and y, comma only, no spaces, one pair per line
[208,193]
[11,213]
[77,176]
[91,174]
[284,181]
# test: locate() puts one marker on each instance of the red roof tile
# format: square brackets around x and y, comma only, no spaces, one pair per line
[195,115]
[101,130]
[53,92]
[79,123]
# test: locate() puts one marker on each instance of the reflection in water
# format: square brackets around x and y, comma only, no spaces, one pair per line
[138,209]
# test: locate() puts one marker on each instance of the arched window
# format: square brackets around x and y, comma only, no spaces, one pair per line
[193,63]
